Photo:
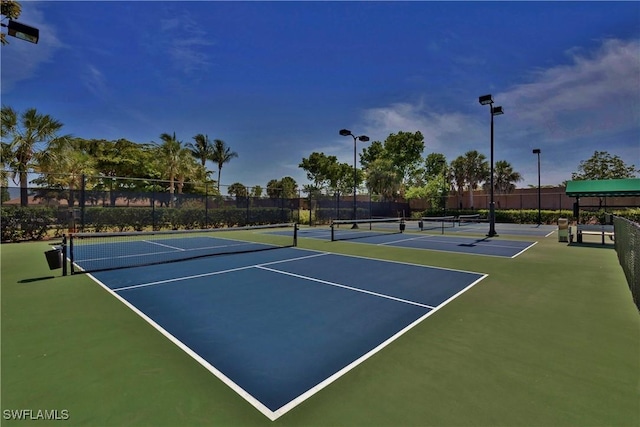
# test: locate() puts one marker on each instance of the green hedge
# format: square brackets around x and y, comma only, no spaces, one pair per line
[36,223]
[124,219]
[26,223]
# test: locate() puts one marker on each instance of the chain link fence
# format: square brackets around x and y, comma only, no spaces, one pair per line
[52,205]
[627,244]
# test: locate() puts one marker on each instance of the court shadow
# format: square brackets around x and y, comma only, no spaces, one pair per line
[36,279]
[473,245]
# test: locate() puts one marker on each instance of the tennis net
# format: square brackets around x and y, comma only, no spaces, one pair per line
[436,223]
[349,229]
[470,219]
[92,252]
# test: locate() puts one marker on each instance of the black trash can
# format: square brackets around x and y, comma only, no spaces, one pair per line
[54,258]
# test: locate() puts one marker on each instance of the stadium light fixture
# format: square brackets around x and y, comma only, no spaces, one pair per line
[22,31]
[495,111]
[485,99]
[363,138]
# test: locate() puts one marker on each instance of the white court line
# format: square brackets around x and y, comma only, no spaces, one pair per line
[208,366]
[525,249]
[163,245]
[404,240]
[214,273]
[273,415]
[338,285]
[304,396]
[479,242]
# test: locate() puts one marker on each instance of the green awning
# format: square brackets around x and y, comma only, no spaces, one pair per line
[604,188]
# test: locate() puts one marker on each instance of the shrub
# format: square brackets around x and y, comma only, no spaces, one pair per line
[26,223]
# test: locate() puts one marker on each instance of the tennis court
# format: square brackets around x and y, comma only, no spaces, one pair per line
[276,326]
[463,224]
[385,234]
[547,338]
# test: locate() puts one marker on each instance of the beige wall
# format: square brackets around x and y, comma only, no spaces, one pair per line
[527,198]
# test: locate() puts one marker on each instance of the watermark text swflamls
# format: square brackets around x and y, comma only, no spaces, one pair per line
[36,414]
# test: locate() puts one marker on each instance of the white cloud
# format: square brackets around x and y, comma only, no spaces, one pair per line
[595,93]
[22,60]
[445,132]
[591,103]
[188,51]
[94,80]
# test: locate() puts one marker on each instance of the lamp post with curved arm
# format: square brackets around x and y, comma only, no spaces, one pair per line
[363,138]
[495,111]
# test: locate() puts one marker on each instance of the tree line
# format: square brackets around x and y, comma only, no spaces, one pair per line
[389,169]
[396,168]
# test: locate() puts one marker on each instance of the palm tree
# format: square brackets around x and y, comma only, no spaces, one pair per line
[64,166]
[188,169]
[221,154]
[24,135]
[505,177]
[202,149]
[169,159]
[476,170]
[458,175]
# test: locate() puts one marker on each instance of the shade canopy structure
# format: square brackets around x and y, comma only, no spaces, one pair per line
[604,188]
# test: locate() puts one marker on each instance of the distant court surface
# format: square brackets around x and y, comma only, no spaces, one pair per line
[278,326]
[497,247]
[476,227]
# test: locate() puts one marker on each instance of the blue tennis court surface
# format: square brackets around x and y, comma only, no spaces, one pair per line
[435,242]
[278,326]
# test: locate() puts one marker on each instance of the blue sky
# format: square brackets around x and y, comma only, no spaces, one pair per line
[277,80]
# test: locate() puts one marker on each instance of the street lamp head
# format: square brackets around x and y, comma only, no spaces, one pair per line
[536,151]
[485,99]
[22,31]
[363,138]
[496,111]
[345,132]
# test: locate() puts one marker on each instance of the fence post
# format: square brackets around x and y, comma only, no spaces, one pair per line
[83,185]
[206,205]
[282,219]
[248,214]
[153,206]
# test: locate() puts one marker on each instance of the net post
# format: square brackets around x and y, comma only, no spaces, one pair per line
[64,254]
[295,234]
[333,238]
